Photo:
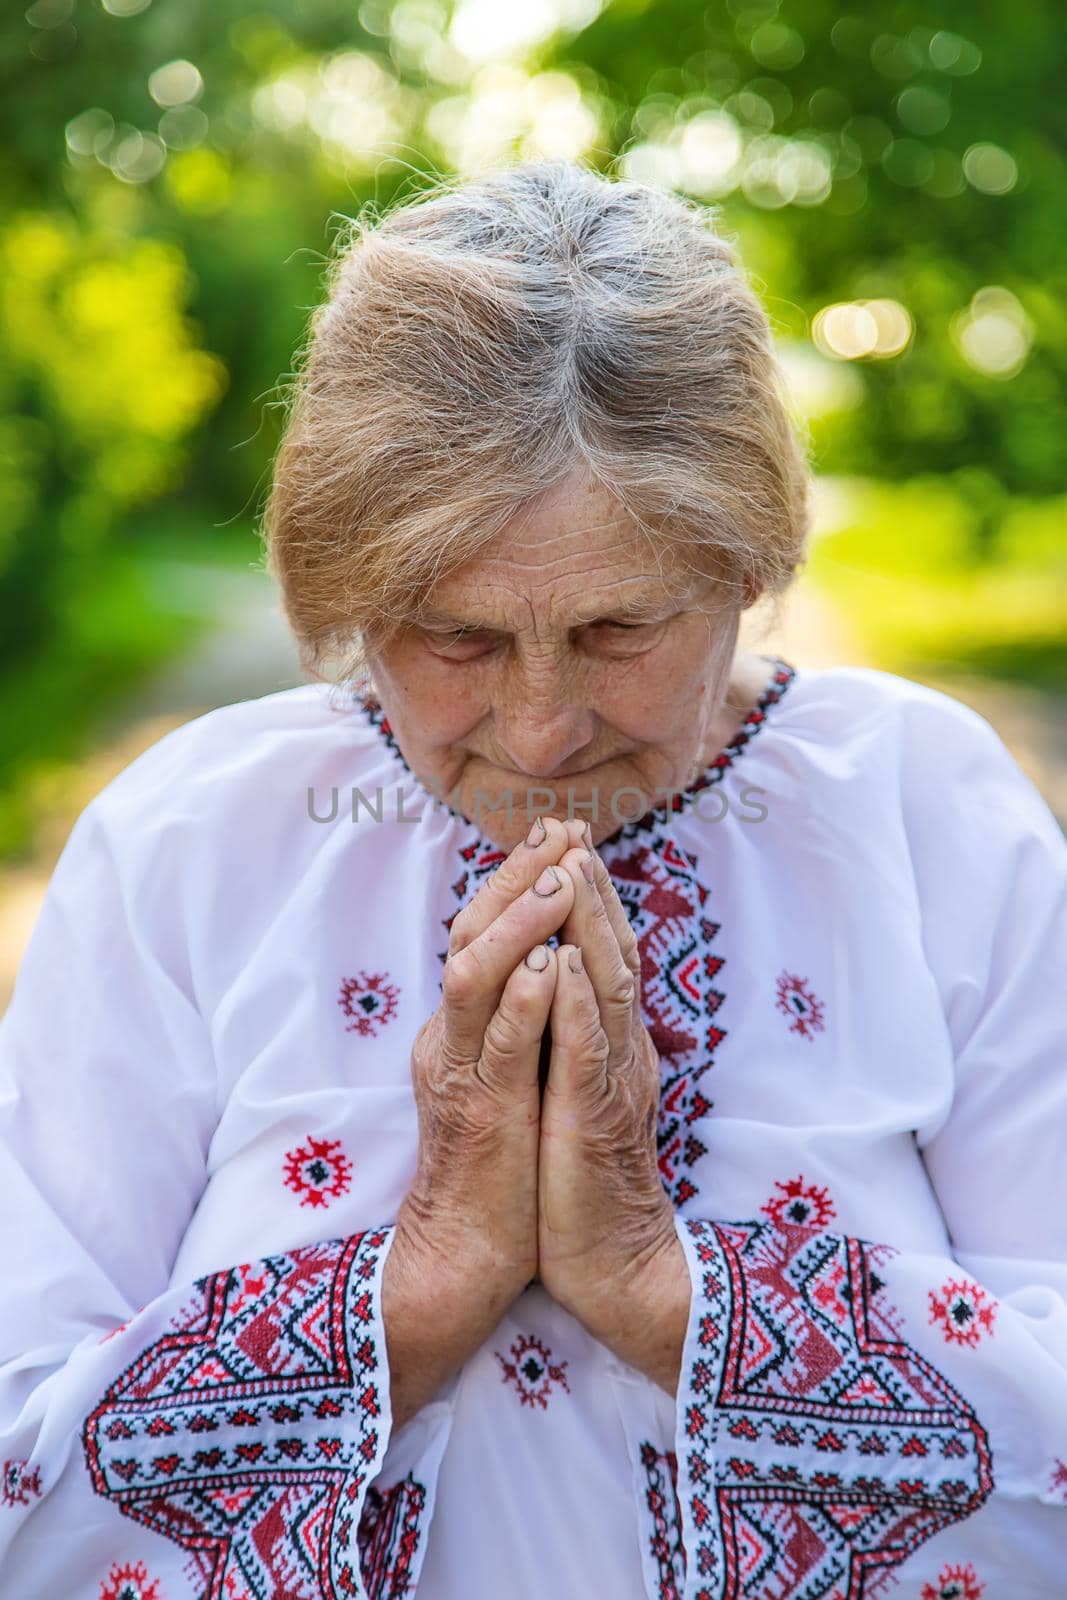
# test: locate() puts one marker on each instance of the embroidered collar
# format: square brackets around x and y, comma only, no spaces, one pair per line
[782,675]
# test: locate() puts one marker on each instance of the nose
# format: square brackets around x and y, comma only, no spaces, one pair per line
[540,730]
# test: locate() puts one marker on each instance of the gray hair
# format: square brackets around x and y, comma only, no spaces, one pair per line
[481,340]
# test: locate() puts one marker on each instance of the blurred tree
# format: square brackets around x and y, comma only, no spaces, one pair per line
[174,174]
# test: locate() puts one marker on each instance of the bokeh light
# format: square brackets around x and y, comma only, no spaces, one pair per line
[853,329]
[175,83]
[994,334]
[989,168]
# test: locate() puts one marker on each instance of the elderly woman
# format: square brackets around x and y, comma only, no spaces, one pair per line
[558,1104]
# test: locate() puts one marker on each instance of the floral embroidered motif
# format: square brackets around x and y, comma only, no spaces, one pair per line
[665,1539]
[531,1370]
[246,1433]
[964,1310]
[318,1171]
[130,1583]
[800,1358]
[800,1005]
[370,1000]
[954,1583]
[388,1536]
[665,902]
[800,1204]
[20,1483]
[1058,1482]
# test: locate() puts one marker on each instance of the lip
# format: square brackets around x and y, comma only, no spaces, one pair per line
[556,777]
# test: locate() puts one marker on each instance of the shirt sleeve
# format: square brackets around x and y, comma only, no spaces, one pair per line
[855,1399]
[216,1437]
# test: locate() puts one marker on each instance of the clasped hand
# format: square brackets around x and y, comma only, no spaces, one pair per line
[560,1183]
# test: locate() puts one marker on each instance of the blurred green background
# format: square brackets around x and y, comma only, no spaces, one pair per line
[177,170]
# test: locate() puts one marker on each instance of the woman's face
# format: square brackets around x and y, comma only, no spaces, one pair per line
[559,661]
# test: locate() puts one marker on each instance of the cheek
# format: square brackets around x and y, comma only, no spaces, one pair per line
[444,703]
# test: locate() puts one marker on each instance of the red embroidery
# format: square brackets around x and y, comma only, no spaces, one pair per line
[318,1171]
[388,1536]
[665,1539]
[532,1371]
[370,1000]
[1059,1479]
[20,1482]
[246,1436]
[799,1352]
[130,1583]
[954,1583]
[964,1310]
[800,1005]
[665,902]
[800,1204]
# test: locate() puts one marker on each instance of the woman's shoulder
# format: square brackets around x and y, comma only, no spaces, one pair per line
[937,760]
[849,698]
[250,752]
[889,717]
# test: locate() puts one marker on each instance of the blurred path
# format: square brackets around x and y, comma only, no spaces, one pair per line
[249,653]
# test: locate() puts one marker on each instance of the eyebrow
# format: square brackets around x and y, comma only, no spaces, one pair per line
[638,609]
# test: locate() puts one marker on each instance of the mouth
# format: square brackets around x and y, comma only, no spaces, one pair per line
[553,778]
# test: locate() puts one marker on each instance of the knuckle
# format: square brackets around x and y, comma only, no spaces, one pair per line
[631,953]
[622,989]
[461,932]
[591,1042]
[460,977]
[505,1036]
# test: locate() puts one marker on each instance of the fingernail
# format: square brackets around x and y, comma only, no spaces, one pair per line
[574,959]
[587,869]
[548,882]
[537,960]
[588,836]
[538,832]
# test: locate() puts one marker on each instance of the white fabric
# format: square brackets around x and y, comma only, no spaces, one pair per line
[855,979]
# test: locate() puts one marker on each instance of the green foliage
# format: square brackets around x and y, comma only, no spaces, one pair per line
[894,176]
[906,566]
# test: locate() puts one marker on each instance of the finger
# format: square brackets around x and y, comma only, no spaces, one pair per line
[621,925]
[589,927]
[520,868]
[580,1050]
[474,976]
[511,1048]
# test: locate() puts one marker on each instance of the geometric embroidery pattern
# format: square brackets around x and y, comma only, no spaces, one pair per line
[800,1204]
[370,1000]
[318,1171]
[245,1433]
[19,1482]
[800,1005]
[964,1310]
[665,1536]
[531,1371]
[666,905]
[388,1537]
[822,1449]
[954,1583]
[130,1583]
